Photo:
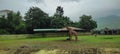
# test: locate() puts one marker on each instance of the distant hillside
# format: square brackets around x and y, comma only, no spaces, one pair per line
[112,22]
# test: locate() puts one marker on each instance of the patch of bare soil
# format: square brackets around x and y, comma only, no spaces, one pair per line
[81,51]
[58,50]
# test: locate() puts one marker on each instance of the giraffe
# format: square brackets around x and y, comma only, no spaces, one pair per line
[71,33]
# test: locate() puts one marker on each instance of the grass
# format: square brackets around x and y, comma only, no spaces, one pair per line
[109,41]
[9,44]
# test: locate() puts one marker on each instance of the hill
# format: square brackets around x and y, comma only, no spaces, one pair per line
[112,22]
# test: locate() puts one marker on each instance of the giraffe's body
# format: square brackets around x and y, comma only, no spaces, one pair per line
[72,33]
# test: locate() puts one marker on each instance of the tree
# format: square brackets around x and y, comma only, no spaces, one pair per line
[3,25]
[75,24]
[87,23]
[58,20]
[14,21]
[36,18]
[59,11]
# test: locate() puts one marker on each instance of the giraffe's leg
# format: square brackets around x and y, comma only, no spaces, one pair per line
[76,35]
[76,38]
[70,35]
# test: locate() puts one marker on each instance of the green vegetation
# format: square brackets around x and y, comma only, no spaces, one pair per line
[35,18]
[84,41]
[12,24]
[87,23]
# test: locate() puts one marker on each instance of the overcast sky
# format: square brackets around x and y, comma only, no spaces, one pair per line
[72,8]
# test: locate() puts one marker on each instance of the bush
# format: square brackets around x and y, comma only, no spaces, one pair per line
[3,31]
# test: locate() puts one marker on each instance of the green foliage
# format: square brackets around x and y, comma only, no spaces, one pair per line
[3,23]
[3,26]
[12,24]
[21,28]
[59,11]
[87,23]
[59,22]
[36,18]
[75,24]
[3,31]
[15,22]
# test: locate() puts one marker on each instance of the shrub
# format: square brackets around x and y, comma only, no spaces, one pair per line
[3,31]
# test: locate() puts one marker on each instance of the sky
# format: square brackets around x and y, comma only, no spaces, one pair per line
[72,8]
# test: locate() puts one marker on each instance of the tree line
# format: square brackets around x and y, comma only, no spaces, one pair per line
[35,18]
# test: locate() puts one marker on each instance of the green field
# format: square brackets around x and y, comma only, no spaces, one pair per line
[101,41]
[84,41]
